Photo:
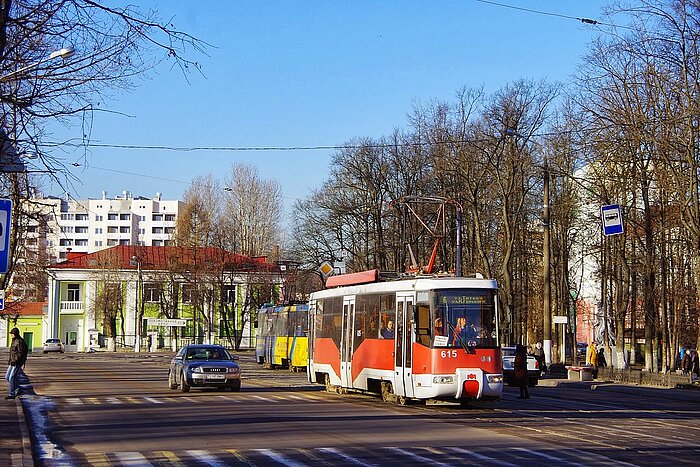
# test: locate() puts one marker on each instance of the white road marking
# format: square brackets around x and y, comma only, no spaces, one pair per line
[345,457]
[153,400]
[482,457]
[206,458]
[416,457]
[135,459]
[277,457]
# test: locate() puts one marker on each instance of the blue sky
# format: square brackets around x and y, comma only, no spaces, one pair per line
[289,73]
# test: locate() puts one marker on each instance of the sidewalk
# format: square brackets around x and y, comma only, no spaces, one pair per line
[15,446]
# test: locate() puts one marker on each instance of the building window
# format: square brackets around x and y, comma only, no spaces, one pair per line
[124,217]
[73,292]
[81,242]
[98,242]
[142,231]
[157,243]
[32,229]
[112,242]
[124,229]
[124,242]
[151,292]
[66,229]
[99,218]
[67,217]
[228,294]
[157,217]
[81,217]
[112,217]
[157,230]
[187,293]
[81,230]
[98,230]
[169,230]
[65,242]
[112,229]
[170,218]
[167,242]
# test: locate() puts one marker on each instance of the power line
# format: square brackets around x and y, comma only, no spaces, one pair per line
[75,164]
[592,22]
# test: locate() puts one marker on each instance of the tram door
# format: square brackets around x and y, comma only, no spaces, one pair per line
[346,342]
[404,345]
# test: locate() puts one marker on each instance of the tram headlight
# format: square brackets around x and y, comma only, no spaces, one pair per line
[494,378]
[443,379]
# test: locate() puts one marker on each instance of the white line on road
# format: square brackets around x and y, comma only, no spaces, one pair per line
[113,400]
[345,457]
[416,457]
[206,458]
[132,458]
[266,399]
[152,400]
[277,457]
[490,460]
[558,460]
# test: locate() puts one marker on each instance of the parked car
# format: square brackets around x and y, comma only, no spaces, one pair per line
[53,345]
[533,367]
[200,365]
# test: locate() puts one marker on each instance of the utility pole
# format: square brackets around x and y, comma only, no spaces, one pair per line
[546,278]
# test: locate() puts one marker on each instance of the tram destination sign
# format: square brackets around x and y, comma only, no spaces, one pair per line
[176,323]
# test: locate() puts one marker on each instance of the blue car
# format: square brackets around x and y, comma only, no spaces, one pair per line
[204,365]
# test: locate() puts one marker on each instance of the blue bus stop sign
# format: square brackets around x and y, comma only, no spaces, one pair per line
[5,224]
[612,219]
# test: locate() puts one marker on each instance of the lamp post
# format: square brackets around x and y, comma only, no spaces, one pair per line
[137,337]
[63,53]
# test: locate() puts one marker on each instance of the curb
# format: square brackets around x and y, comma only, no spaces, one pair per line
[25,458]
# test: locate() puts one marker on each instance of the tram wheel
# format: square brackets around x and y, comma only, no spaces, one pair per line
[402,400]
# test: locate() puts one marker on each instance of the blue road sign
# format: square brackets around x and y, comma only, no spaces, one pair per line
[612,219]
[5,225]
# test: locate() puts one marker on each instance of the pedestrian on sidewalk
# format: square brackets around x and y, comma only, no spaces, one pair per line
[538,353]
[17,360]
[520,371]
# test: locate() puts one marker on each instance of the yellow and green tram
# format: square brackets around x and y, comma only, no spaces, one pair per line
[281,337]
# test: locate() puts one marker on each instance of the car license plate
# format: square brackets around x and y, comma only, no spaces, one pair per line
[216,376]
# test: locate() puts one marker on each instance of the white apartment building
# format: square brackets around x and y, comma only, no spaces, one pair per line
[61,225]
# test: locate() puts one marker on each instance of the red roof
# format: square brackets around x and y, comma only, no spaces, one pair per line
[24,308]
[162,258]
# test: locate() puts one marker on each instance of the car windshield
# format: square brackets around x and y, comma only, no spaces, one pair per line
[208,353]
[52,341]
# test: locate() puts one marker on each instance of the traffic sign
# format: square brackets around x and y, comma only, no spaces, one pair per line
[2,300]
[612,219]
[5,225]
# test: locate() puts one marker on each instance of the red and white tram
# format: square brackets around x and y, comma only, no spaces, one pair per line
[418,338]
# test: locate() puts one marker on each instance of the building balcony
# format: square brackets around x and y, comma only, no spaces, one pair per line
[68,308]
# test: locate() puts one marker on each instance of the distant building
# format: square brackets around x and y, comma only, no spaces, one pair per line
[61,225]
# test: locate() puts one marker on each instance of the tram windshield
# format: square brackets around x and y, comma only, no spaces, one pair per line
[464,317]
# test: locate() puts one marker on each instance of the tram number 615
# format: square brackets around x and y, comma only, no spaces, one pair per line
[448,354]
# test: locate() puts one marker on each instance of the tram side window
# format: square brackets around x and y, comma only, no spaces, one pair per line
[387,316]
[302,323]
[331,318]
[423,324]
[367,316]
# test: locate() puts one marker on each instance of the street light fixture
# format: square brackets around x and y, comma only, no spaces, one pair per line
[64,53]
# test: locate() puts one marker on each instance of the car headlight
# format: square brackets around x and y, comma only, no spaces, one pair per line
[233,370]
[494,378]
[197,370]
[443,379]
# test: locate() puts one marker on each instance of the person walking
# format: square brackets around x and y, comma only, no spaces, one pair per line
[592,359]
[520,371]
[601,362]
[694,364]
[18,357]
[538,353]
[685,362]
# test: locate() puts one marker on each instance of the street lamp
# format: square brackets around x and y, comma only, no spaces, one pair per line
[63,53]
[137,337]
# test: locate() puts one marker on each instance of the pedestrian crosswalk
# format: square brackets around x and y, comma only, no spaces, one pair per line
[204,397]
[342,456]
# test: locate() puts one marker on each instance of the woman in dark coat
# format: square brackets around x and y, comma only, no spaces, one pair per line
[520,371]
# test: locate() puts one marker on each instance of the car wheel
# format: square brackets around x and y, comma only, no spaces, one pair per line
[172,384]
[236,387]
[184,387]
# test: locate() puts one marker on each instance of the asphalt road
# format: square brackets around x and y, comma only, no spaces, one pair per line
[116,409]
